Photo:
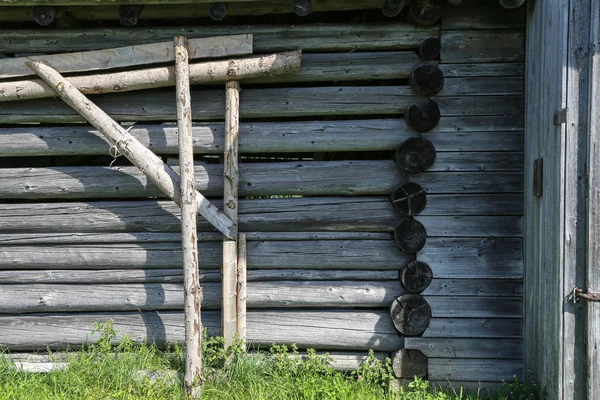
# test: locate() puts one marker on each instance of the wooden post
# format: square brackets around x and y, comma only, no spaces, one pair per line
[189,214]
[153,167]
[241,286]
[230,201]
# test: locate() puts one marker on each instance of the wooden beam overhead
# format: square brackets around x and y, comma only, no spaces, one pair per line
[100,2]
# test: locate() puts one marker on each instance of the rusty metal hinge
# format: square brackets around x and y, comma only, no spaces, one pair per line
[578,293]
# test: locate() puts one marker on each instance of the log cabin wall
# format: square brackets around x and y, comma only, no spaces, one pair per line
[84,242]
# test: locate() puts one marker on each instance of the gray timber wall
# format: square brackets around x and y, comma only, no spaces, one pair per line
[81,241]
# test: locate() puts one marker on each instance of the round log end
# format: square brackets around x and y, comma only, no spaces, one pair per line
[430,49]
[217,11]
[409,199]
[408,363]
[423,116]
[416,277]
[415,155]
[424,12]
[511,3]
[410,314]
[410,235]
[426,79]
[43,15]
[391,8]
[129,14]
[302,7]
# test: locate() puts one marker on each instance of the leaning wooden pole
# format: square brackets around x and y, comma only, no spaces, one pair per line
[189,214]
[230,208]
[153,167]
[241,286]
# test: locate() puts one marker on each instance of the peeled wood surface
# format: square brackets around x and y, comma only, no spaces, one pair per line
[256,179]
[158,105]
[32,298]
[467,348]
[329,254]
[350,330]
[267,38]
[129,56]
[452,134]
[291,216]
[475,46]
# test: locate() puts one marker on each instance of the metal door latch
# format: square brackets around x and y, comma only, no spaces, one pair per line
[578,292]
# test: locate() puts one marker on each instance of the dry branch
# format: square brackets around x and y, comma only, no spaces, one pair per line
[152,166]
[212,71]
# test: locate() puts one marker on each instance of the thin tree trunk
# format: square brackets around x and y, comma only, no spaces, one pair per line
[230,201]
[162,175]
[189,213]
[241,286]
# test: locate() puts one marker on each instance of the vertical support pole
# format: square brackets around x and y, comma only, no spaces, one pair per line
[189,213]
[230,200]
[241,287]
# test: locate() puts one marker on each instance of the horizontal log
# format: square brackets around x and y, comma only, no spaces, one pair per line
[474,46]
[129,56]
[460,369]
[39,298]
[111,276]
[499,258]
[477,161]
[330,254]
[267,38]
[480,226]
[190,10]
[482,69]
[479,105]
[331,330]
[29,223]
[488,17]
[482,86]
[305,178]
[451,134]
[157,105]
[467,348]
[447,328]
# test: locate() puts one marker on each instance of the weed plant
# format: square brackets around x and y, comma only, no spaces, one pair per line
[106,370]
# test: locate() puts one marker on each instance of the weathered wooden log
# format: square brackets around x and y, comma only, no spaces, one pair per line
[267,38]
[409,199]
[329,254]
[193,375]
[152,166]
[409,364]
[482,18]
[415,277]
[66,20]
[426,79]
[43,15]
[415,155]
[302,7]
[472,46]
[466,70]
[454,2]
[129,14]
[430,49]
[214,71]
[410,235]
[511,3]
[482,86]
[410,314]
[344,330]
[209,104]
[453,369]
[241,289]
[467,347]
[128,56]
[32,298]
[217,11]
[391,8]
[474,328]
[424,12]
[423,115]
[307,218]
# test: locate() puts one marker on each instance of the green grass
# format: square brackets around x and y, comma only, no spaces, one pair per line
[102,371]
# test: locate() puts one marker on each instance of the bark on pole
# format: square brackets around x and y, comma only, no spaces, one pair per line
[153,167]
[241,286]
[189,215]
[149,78]
[230,208]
